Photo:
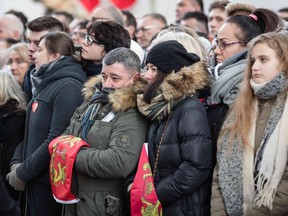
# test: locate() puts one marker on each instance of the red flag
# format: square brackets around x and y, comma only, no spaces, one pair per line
[89,4]
[143,197]
[121,4]
[63,150]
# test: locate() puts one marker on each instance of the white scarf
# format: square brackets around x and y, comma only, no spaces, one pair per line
[272,167]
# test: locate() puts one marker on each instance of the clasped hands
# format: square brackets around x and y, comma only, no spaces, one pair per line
[14,179]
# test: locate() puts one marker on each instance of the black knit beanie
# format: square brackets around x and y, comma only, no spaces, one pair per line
[170,55]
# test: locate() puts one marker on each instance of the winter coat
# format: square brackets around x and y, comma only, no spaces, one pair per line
[115,145]
[48,115]
[183,175]
[252,209]
[8,207]
[12,125]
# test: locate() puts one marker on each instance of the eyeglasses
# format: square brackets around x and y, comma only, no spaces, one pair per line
[222,44]
[144,28]
[78,34]
[89,40]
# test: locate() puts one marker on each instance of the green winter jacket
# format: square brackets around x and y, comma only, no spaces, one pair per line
[115,145]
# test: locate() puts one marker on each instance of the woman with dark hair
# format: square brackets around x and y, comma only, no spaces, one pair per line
[229,60]
[179,141]
[102,37]
[228,69]
[56,86]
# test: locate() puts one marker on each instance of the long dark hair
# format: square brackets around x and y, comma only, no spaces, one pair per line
[151,88]
[264,21]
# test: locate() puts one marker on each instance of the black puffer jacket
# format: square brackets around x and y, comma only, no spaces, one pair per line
[182,181]
[183,175]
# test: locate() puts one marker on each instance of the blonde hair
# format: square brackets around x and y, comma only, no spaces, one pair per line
[21,49]
[243,107]
[10,89]
[3,58]
[184,35]
[238,8]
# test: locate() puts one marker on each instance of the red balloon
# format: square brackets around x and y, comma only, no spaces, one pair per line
[90,4]
[123,4]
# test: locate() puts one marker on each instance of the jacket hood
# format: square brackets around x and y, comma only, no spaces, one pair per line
[66,67]
[122,99]
[90,87]
[186,82]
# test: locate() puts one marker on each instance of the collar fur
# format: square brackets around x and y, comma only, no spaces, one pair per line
[121,100]
[176,85]
[186,82]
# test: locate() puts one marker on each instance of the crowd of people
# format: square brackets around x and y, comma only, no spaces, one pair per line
[208,94]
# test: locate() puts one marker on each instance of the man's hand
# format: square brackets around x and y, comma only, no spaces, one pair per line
[15,181]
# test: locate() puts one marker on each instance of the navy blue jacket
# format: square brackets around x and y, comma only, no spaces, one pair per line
[58,95]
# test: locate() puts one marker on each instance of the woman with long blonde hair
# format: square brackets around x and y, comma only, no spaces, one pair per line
[18,60]
[253,143]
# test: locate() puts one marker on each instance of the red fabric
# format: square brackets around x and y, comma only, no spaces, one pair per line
[143,197]
[63,151]
[121,4]
[89,4]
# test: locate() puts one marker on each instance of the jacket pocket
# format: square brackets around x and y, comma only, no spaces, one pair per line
[112,205]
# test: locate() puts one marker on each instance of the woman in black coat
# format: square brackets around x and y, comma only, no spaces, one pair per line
[184,156]
[12,123]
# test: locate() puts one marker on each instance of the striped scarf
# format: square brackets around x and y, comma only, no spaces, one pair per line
[159,108]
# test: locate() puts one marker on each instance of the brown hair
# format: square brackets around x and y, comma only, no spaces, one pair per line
[243,108]
[149,91]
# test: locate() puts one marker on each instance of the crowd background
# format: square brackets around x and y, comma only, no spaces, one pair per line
[139,8]
[166,66]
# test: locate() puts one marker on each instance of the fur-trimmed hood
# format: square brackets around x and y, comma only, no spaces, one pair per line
[90,87]
[186,82]
[176,85]
[122,99]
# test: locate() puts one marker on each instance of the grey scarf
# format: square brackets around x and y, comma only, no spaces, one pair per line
[231,162]
[226,87]
[37,76]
